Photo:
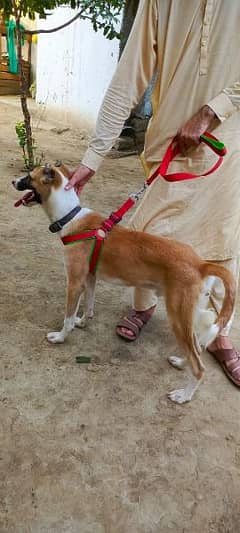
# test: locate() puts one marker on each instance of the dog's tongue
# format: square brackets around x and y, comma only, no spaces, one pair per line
[26,199]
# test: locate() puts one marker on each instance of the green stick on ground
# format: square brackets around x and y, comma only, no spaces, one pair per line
[83,359]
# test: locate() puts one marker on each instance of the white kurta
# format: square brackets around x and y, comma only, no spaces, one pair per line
[194,45]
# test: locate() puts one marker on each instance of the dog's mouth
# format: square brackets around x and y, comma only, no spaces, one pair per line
[30,197]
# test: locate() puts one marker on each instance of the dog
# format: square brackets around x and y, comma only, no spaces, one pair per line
[134,259]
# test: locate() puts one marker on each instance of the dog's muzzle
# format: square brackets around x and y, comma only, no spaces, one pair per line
[22,184]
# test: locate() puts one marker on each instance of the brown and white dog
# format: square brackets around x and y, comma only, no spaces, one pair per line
[135,259]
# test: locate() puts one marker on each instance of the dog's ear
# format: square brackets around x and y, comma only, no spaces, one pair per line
[48,174]
[64,169]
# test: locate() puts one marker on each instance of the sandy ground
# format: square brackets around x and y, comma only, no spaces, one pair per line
[101,451]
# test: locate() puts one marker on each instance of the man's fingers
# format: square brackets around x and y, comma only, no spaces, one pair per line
[182,144]
[187,141]
[71,183]
[78,189]
[79,178]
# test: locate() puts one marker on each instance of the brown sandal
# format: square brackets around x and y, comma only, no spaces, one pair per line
[134,321]
[229,360]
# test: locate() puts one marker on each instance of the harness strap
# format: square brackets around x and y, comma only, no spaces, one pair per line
[98,236]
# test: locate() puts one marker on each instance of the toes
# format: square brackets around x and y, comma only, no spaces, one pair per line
[125,332]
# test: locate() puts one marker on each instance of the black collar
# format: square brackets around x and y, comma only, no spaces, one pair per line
[58,225]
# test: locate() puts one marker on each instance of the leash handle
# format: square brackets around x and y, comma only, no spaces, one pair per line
[173,149]
[217,146]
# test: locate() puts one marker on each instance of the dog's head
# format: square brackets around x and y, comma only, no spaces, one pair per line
[40,183]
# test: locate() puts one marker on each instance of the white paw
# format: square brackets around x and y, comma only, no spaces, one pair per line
[179,396]
[55,337]
[80,322]
[177,362]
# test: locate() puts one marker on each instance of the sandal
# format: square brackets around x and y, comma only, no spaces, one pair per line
[134,322]
[229,360]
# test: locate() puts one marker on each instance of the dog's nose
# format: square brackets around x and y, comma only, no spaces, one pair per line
[14,183]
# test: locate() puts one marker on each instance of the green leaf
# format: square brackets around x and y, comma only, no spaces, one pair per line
[103,14]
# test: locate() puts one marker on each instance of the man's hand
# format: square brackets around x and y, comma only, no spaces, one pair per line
[189,135]
[79,178]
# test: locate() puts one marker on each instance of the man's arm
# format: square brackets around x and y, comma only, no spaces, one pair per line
[132,77]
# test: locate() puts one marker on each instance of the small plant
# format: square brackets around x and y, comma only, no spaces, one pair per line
[22,141]
[21,135]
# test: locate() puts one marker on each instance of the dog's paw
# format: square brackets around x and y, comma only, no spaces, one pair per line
[177,362]
[179,396]
[55,337]
[80,322]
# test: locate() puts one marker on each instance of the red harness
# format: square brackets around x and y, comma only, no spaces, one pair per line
[99,235]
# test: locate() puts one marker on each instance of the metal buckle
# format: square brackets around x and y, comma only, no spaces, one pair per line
[55,226]
[136,195]
[101,233]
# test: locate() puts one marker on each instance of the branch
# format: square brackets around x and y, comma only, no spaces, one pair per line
[34,32]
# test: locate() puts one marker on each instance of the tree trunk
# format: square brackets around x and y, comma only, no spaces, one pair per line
[129,13]
[24,93]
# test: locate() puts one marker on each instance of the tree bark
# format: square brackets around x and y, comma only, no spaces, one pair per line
[23,88]
[129,13]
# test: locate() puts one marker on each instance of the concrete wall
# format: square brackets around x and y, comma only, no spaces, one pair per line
[74,68]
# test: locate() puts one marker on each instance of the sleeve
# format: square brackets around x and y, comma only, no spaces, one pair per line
[227,102]
[132,77]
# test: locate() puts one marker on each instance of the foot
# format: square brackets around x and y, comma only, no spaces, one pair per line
[228,357]
[179,396]
[177,362]
[55,337]
[186,394]
[131,325]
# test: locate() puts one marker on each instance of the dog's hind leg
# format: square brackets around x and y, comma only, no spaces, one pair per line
[180,310]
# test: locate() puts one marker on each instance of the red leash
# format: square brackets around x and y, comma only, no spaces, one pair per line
[173,149]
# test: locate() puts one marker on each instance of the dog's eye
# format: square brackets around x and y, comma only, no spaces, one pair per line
[49,173]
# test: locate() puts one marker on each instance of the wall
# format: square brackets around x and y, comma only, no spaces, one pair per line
[74,68]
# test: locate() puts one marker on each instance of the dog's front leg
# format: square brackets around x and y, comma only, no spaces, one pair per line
[89,295]
[75,287]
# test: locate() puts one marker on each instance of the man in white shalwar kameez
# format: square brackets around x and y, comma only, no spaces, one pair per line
[194,48]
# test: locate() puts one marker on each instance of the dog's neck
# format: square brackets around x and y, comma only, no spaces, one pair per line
[61,202]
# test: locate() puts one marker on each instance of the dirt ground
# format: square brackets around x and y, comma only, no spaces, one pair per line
[99,449]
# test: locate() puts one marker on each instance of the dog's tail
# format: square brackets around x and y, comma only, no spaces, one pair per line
[213,269]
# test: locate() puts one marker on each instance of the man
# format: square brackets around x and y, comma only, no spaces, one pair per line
[194,46]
